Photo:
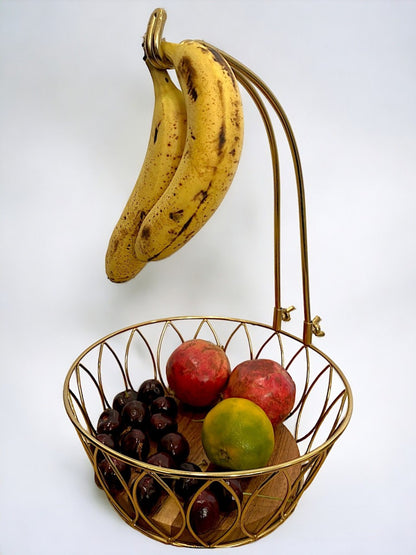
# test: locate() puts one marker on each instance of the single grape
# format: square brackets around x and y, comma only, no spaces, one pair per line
[148,493]
[109,422]
[176,445]
[135,443]
[135,414]
[150,390]
[205,513]
[160,425]
[108,441]
[186,487]
[123,398]
[164,405]
[226,500]
[162,459]
[109,474]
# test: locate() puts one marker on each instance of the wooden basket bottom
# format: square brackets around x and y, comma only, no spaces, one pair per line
[268,499]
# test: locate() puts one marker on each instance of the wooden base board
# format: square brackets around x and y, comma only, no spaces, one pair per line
[264,497]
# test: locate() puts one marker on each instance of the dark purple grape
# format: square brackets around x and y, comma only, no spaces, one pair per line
[108,441]
[186,487]
[135,443]
[160,425]
[135,414]
[148,493]
[226,500]
[176,445]
[109,422]
[123,398]
[149,391]
[109,475]
[162,459]
[205,513]
[164,405]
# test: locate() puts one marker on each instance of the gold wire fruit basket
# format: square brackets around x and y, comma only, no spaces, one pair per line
[124,359]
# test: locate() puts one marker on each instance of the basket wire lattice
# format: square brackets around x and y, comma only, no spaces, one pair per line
[120,360]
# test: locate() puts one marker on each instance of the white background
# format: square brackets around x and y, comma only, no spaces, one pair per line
[76,104]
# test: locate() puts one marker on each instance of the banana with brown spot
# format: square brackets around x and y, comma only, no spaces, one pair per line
[163,155]
[211,155]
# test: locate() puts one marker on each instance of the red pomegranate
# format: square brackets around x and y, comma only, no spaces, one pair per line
[197,372]
[266,383]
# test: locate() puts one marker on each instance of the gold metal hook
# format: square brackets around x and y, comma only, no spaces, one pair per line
[153,39]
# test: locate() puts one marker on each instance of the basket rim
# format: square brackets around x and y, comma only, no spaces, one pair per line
[226,474]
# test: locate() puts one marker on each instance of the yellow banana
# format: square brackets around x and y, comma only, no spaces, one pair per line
[164,152]
[212,151]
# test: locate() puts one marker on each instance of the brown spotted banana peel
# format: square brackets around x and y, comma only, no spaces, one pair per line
[211,155]
[164,152]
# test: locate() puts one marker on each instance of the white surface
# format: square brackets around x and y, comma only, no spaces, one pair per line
[76,104]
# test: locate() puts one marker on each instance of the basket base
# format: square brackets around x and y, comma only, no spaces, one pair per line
[267,501]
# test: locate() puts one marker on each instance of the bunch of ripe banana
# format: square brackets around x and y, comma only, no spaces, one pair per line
[192,156]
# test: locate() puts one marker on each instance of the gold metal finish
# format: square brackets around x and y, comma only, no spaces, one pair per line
[286,313]
[153,38]
[253,85]
[123,359]
[316,328]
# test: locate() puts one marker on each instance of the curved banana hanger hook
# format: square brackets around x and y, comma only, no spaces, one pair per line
[252,84]
[153,38]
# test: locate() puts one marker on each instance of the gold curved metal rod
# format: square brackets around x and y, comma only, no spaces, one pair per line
[153,38]
[251,90]
[251,76]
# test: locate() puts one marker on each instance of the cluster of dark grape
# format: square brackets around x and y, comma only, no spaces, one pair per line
[140,419]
